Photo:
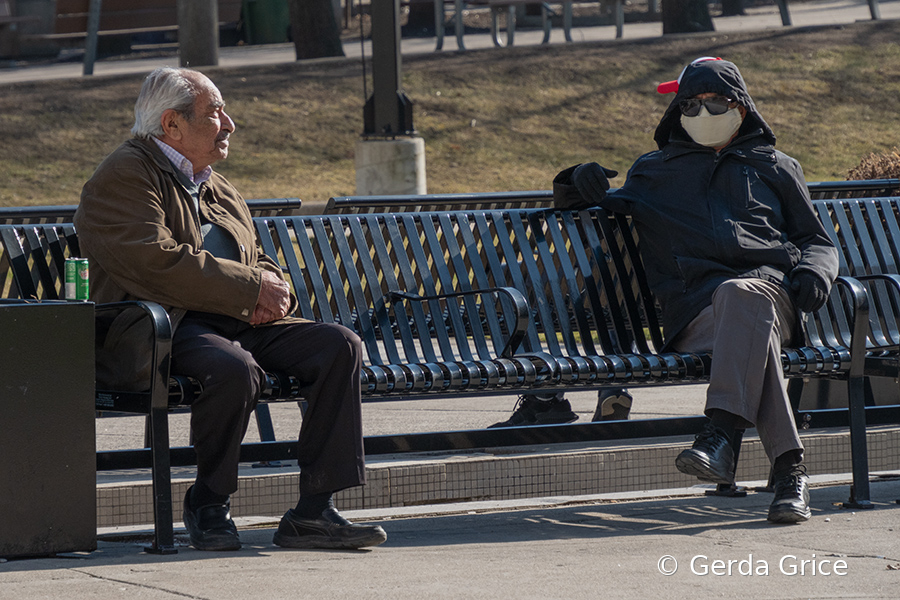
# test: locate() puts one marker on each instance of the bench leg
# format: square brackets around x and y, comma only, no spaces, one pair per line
[458,26]
[859,489]
[545,22]
[266,433]
[164,537]
[620,19]
[510,26]
[439,24]
[264,423]
[785,12]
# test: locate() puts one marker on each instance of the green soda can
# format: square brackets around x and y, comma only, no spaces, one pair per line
[77,279]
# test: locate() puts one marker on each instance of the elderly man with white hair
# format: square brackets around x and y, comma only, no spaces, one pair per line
[158,224]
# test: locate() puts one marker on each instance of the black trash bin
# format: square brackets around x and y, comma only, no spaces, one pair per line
[48,464]
[267,21]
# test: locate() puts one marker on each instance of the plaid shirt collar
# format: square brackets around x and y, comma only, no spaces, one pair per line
[182,164]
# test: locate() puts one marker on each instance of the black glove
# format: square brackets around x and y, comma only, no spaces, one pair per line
[592,181]
[810,290]
[572,187]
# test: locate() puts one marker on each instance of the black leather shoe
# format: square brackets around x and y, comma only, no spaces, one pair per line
[210,527]
[710,458]
[613,404]
[532,409]
[791,502]
[328,530]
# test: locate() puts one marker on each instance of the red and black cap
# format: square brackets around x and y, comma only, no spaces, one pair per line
[668,87]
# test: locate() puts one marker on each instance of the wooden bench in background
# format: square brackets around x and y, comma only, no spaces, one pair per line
[9,26]
[126,17]
[117,23]
[498,8]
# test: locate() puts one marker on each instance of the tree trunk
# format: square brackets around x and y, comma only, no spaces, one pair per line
[686,16]
[314,29]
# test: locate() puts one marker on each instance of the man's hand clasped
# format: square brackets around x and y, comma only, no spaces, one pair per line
[274,300]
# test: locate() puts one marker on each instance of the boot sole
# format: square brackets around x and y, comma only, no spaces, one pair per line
[560,420]
[698,465]
[789,515]
[312,542]
[613,408]
[215,545]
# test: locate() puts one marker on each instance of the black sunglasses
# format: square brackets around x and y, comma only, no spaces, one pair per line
[717,105]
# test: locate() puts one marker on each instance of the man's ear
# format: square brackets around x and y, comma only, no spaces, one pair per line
[742,110]
[171,122]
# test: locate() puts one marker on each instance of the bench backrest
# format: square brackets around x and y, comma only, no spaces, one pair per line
[566,264]
[544,198]
[448,202]
[20,215]
[580,272]
[866,232]
[343,268]
[32,260]
[865,188]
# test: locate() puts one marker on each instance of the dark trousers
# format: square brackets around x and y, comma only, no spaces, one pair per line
[229,357]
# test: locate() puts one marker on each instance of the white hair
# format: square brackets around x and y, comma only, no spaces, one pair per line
[163,89]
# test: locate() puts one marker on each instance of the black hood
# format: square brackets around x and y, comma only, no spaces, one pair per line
[719,77]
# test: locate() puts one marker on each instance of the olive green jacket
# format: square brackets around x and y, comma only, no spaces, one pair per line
[138,228]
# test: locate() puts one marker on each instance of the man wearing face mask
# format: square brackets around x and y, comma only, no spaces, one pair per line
[734,252]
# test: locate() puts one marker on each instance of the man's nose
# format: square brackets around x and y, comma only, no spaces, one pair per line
[227,123]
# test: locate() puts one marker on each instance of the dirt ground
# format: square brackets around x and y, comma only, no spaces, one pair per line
[491,120]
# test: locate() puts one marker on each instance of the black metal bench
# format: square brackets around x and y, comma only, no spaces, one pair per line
[867,231]
[463,304]
[819,190]
[862,188]
[592,319]
[40,214]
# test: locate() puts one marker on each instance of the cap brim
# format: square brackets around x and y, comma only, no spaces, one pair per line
[667,87]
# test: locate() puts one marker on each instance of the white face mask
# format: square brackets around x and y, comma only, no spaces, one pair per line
[712,130]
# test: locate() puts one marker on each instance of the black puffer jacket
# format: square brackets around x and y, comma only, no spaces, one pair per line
[705,217]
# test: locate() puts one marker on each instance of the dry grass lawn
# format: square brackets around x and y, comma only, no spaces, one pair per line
[492,119]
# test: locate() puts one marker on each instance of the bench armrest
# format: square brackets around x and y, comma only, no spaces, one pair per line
[160,338]
[857,306]
[884,336]
[517,298]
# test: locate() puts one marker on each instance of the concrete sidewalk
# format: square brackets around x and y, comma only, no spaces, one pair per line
[533,545]
[671,544]
[813,13]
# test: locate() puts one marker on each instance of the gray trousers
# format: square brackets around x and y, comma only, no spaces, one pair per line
[744,328]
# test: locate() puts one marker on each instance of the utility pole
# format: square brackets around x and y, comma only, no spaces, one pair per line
[390,157]
[198,33]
